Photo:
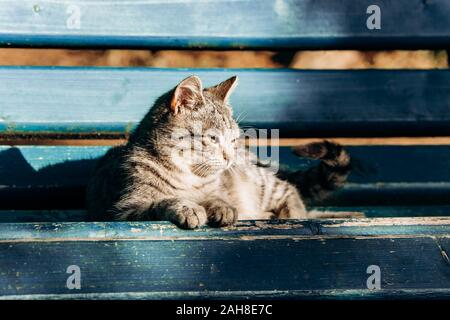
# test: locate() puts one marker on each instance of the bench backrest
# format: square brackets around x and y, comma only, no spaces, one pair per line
[273,24]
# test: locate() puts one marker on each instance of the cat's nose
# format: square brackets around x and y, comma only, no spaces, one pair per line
[225,156]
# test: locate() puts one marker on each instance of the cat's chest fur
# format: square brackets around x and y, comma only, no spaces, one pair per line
[236,189]
[197,188]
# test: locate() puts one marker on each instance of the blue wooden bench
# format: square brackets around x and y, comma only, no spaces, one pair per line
[55,123]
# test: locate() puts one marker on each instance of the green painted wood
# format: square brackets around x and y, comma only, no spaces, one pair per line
[297,102]
[224,24]
[155,260]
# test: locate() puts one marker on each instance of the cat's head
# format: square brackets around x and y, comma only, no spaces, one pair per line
[204,135]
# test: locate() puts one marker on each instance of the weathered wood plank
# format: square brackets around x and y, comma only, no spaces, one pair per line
[157,260]
[223,24]
[297,102]
[243,230]
[352,294]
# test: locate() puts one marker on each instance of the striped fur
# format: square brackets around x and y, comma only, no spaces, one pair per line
[317,183]
[184,164]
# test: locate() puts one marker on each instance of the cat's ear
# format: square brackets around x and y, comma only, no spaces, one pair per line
[224,89]
[187,94]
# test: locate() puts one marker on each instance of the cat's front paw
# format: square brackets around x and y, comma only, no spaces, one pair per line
[190,216]
[221,215]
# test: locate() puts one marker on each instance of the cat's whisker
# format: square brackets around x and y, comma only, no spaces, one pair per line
[241,116]
[235,169]
[199,169]
[232,170]
[203,169]
[195,168]
[237,118]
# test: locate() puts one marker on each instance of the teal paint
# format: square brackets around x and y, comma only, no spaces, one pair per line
[267,24]
[297,102]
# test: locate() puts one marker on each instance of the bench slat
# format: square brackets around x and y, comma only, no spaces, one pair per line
[299,103]
[308,259]
[243,230]
[224,24]
[71,165]
[54,177]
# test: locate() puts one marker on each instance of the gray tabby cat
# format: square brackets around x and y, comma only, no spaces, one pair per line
[183,163]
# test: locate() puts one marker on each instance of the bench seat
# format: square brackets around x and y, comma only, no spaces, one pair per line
[149,260]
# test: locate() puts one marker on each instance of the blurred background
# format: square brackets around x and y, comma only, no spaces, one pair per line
[419,59]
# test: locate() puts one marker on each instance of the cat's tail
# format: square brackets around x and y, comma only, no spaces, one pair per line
[318,182]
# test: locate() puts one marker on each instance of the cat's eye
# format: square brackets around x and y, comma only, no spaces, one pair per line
[234,140]
[214,138]
[186,137]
